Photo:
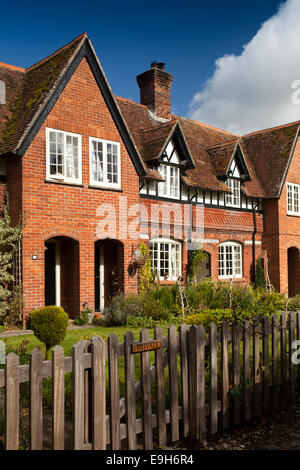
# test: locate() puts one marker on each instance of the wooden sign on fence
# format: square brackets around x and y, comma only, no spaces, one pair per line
[145,346]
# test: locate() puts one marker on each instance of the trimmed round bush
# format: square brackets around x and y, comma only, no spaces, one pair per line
[49,325]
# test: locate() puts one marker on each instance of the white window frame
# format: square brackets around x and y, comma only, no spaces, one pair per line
[105,183]
[165,188]
[293,199]
[178,269]
[63,178]
[235,186]
[226,260]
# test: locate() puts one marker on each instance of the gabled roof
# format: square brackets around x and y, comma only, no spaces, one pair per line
[221,156]
[270,152]
[264,156]
[156,138]
[41,86]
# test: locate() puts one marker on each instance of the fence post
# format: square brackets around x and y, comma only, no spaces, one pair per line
[130,391]
[183,334]
[196,351]
[256,369]
[58,399]
[12,402]
[246,370]
[146,394]
[114,391]
[275,384]
[36,399]
[213,378]
[160,390]
[98,386]
[283,360]
[173,383]
[266,367]
[225,376]
[236,365]
[78,394]
[292,325]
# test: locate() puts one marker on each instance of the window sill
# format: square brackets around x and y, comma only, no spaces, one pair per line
[230,279]
[105,188]
[64,183]
[293,214]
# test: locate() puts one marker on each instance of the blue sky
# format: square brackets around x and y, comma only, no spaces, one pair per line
[127,35]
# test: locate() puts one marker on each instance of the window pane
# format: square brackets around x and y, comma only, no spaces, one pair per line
[56,153]
[71,157]
[97,161]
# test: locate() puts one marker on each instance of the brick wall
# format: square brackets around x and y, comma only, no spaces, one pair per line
[219,226]
[54,210]
[282,231]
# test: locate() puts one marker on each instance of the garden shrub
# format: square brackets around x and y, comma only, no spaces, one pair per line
[49,325]
[120,308]
[84,317]
[203,318]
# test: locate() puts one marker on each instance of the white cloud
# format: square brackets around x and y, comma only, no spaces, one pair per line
[253,90]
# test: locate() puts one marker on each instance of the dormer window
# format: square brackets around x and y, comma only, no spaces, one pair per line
[170,187]
[233,199]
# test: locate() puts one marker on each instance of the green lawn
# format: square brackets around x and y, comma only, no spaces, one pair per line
[73,336]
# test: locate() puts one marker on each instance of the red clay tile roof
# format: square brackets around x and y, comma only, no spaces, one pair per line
[221,156]
[269,152]
[34,87]
[155,140]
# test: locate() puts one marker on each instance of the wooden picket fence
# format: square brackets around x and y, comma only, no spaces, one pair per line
[199,384]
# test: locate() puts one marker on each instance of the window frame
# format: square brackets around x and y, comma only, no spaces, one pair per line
[293,186]
[63,178]
[233,245]
[169,242]
[105,183]
[230,182]
[166,184]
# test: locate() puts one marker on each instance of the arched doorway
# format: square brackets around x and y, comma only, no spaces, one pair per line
[109,271]
[293,271]
[62,274]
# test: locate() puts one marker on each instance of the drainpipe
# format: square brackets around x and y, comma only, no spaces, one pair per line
[253,244]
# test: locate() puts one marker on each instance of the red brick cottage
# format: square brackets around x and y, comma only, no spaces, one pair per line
[93,175]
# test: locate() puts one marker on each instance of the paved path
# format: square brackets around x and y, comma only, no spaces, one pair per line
[277,431]
[6,334]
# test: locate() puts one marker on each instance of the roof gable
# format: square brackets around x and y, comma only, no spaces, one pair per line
[39,90]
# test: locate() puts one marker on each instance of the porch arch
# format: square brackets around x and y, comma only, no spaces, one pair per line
[109,271]
[62,274]
[293,271]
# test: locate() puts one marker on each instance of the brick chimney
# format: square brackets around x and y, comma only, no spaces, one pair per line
[155,85]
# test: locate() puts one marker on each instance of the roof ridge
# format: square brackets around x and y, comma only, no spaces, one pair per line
[207,125]
[158,126]
[13,67]
[235,141]
[269,129]
[56,52]
[130,101]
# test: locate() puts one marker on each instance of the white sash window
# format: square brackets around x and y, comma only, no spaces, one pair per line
[170,187]
[230,260]
[105,165]
[63,151]
[165,259]
[293,194]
